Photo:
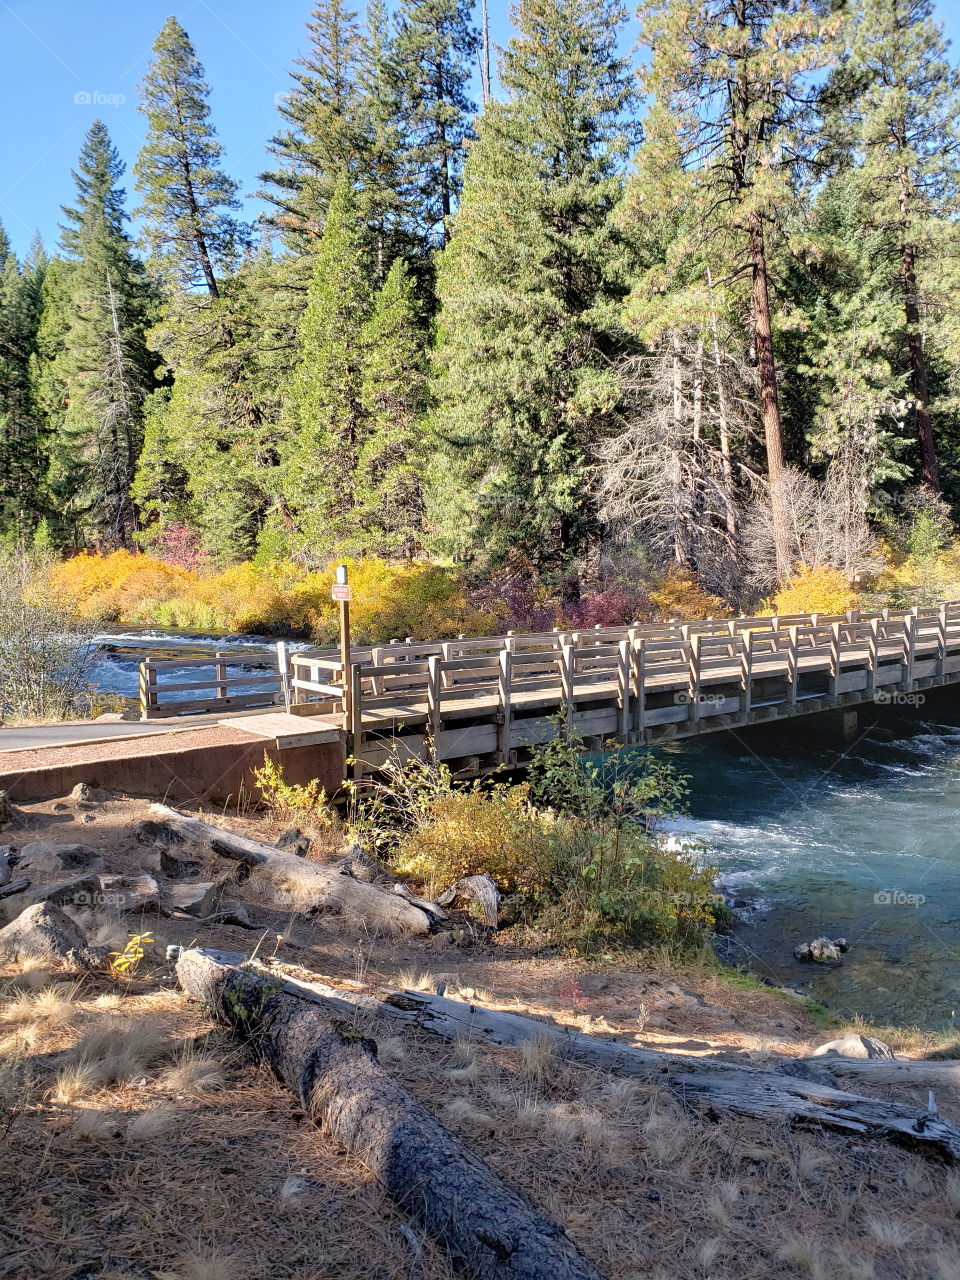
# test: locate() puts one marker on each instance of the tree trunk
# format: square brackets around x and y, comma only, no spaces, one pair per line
[389,912]
[769,400]
[489,1230]
[794,1092]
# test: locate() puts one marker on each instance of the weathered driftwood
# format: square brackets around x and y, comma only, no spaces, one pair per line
[480,889]
[490,1230]
[766,1094]
[389,912]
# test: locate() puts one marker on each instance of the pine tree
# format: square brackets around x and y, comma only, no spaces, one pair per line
[389,514]
[94,368]
[897,100]
[531,292]
[326,133]
[435,50]
[326,389]
[726,84]
[187,201]
[22,454]
[210,458]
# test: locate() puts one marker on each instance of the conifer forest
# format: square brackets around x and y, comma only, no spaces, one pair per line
[656,301]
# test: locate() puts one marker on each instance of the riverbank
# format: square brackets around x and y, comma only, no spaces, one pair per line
[119,1079]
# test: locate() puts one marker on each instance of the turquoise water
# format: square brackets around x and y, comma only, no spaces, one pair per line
[860,838]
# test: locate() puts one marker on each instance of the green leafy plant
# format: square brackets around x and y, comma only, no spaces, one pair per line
[127,961]
[291,801]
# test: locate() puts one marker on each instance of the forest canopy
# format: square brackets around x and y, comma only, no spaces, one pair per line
[680,312]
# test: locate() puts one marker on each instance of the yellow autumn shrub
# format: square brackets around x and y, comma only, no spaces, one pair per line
[426,601]
[679,595]
[820,590]
[477,831]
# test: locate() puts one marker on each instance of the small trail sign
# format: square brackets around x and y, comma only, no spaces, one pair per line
[340,591]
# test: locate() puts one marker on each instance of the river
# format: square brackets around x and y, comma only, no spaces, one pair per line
[119,652]
[812,835]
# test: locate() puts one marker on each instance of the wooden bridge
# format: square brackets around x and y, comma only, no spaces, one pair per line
[483,702]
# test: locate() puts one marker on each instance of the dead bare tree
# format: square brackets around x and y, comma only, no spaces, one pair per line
[828,524]
[668,478]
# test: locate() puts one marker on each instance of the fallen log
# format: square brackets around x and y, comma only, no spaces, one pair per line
[765,1094]
[490,1230]
[327,886]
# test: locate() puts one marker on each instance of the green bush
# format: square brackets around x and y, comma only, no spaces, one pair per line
[577,849]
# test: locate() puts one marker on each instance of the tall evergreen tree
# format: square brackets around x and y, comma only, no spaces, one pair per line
[435,51]
[187,200]
[531,291]
[216,430]
[326,389]
[393,390]
[95,368]
[326,128]
[22,451]
[898,102]
[726,80]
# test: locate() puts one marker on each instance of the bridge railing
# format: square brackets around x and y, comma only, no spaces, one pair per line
[233,684]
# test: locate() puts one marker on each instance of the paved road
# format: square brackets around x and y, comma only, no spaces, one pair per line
[61,735]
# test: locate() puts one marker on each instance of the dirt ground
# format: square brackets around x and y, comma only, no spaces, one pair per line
[143,1143]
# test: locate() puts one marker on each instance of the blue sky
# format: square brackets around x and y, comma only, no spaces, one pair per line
[65,62]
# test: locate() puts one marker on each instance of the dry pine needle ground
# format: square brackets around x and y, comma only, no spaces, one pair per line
[142,1142]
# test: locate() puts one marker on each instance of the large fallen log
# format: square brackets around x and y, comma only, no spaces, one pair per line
[325,886]
[766,1094]
[490,1230]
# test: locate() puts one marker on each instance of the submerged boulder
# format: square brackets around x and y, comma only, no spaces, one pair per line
[822,950]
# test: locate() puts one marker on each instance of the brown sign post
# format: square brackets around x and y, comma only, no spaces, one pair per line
[340,591]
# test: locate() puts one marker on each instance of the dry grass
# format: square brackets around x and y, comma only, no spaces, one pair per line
[140,1134]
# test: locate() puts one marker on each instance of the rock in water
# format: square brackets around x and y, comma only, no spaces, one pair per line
[41,930]
[854,1046]
[822,950]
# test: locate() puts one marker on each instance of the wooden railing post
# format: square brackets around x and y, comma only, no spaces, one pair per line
[283,669]
[503,715]
[640,691]
[148,697]
[353,680]
[566,681]
[909,645]
[433,700]
[941,638]
[623,691]
[746,673]
[693,676]
[793,666]
[873,654]
[834,659]
[221,670]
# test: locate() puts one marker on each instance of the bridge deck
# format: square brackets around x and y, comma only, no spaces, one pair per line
[481,702]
